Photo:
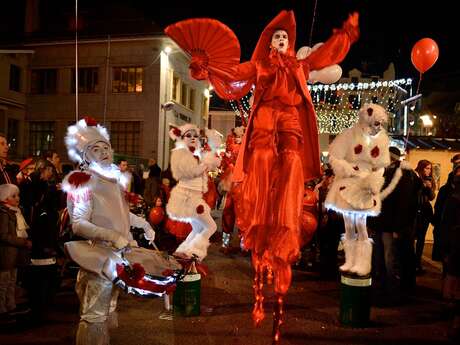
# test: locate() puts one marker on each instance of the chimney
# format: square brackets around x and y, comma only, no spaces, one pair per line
[32,16]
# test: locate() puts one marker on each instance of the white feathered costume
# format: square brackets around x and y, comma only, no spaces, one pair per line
[358,157]
[189,167]
[99,212]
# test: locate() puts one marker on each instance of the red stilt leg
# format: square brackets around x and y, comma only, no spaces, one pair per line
[278,315]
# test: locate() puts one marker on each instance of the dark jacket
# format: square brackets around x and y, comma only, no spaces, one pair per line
[8,174]
[450,223]
[400,207]
[425,210]
[444,193]
[9,241]
[44,218]
[151,190]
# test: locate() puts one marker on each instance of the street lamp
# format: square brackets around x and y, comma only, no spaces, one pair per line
[427,123]
[167,106]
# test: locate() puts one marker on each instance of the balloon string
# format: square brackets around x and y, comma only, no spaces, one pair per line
[407,139]
[408,130]
[313,23]
[419,82]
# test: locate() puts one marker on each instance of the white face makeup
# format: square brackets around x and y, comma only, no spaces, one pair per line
[280,41]
[100,153]
[191,138]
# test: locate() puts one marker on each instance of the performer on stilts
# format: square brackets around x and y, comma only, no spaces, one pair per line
[280,148]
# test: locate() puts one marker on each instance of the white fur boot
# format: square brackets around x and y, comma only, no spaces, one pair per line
[363,258]
[349,249]
[199,246]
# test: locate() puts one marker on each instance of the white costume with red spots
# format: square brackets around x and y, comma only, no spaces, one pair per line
[358,157]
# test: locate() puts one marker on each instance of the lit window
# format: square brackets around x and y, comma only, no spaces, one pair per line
[127,79]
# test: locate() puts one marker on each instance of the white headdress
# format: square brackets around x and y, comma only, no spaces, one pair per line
[82,135]
[370,113]
[177,133]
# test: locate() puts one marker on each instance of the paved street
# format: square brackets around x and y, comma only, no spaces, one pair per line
[312,310]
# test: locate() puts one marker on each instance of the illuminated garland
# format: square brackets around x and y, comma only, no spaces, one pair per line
[337,105]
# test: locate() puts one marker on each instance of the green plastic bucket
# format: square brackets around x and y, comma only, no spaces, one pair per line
[355,300]
[186,297]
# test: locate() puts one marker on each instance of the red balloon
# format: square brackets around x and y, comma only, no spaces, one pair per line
[156,215]
[424,54]
[308,225]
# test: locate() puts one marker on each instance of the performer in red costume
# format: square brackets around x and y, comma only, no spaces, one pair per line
[280,148]
[226,185]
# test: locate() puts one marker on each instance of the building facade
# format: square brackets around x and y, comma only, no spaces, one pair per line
[13,86]
[123,83]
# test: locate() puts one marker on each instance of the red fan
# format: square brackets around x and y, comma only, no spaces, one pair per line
[208,37]
[214,49]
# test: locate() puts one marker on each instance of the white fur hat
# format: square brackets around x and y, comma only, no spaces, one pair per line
[7,190]
[371,113]
[176,133]
[83,134]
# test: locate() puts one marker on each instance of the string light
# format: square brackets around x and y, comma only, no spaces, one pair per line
[337,105]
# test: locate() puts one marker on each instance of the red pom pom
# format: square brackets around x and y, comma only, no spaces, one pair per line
[78,178]
[90,121]
[370,111]
[200,209]
[358,149]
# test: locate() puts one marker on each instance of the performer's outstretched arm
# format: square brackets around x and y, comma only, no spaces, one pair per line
[334,50]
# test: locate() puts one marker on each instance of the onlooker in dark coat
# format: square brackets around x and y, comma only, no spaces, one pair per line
[395,231]
[10,243]
[443,194]
[44,216]
[425,210]
[450,223]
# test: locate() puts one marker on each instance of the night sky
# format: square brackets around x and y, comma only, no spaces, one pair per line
[388,31]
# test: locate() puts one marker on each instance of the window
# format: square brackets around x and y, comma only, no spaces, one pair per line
[87,80]
[127,79]
[125,137]
[13,136]
[15,78]
[191,99]
[41,134]
[176,88]
[184,94]
[43,81]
